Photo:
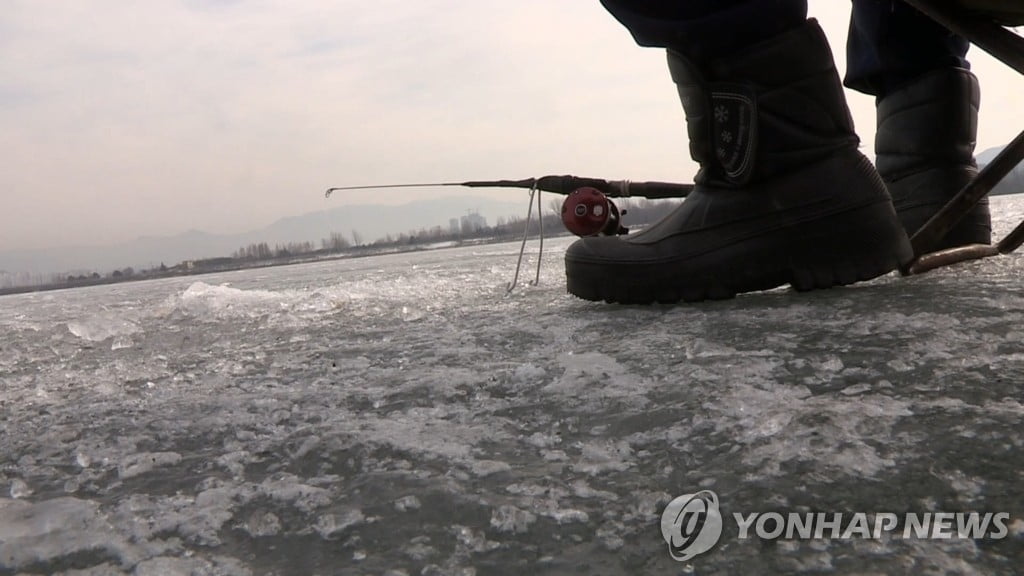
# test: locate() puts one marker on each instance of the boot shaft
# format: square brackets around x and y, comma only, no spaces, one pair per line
[930,123]
[924,150]
[767,110]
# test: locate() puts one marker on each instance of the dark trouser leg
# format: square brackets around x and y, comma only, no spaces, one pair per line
[706,28]
[927,112]
[891,43]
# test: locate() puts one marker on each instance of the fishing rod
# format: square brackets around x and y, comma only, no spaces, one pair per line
[559,185]
[586,211]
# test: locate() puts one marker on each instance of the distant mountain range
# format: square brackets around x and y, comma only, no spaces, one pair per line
[1014,181]
[370,221]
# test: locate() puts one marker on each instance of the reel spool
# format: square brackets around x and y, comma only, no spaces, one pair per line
[587,211]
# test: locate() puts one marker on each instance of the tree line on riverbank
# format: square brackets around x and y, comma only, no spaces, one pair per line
[337,245]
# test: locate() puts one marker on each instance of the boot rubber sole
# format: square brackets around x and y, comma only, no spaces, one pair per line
[857,244]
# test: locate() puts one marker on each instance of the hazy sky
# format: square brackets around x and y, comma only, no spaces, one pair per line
[120,119]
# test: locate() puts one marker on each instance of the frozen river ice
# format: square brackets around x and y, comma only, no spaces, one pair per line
[399,415]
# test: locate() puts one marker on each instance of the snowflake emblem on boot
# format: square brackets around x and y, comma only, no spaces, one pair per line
[721,114]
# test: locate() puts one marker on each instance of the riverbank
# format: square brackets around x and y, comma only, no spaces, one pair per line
[229,264]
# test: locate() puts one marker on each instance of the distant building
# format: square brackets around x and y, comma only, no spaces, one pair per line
[473,222]
[453,226]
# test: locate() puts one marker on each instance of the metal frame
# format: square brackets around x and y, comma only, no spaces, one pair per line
[1008,47]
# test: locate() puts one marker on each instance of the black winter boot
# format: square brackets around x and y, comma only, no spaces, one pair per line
[782,195]
[925,151]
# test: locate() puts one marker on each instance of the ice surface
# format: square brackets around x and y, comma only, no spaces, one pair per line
[42,533]
[401,415]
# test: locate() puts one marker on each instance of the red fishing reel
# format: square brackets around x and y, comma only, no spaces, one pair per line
[587,211]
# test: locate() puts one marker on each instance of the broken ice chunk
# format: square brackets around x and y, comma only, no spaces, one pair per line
[137,464]
[407,503]
[20,489]
[510,519]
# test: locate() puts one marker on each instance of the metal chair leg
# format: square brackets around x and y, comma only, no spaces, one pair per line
[1008,48]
